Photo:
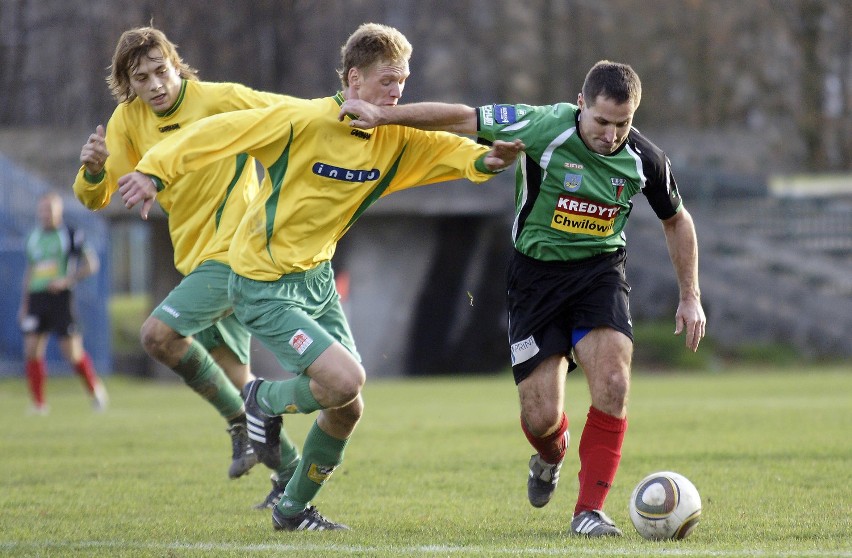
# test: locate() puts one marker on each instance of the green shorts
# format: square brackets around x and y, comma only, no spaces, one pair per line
[296,317]
[199,307]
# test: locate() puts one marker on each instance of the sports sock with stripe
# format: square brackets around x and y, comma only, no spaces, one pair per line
[322,454]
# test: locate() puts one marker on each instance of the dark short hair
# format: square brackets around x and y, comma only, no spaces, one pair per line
[612,80]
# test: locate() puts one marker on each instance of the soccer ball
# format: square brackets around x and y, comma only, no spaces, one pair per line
[665,505]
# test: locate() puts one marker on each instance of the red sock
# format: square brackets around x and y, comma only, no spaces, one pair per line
[36,373]
[551,447]
[600,454]
[86,370]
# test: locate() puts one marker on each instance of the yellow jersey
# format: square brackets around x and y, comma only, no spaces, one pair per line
[204,206]
[320,175]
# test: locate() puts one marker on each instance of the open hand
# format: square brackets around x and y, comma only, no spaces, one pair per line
[690,320]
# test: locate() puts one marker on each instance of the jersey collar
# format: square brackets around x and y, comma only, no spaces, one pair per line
[177,104]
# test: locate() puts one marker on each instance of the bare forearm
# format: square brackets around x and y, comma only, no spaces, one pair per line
[682,244]
[457,118]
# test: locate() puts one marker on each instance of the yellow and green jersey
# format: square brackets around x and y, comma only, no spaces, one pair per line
[320,175]
[203,207]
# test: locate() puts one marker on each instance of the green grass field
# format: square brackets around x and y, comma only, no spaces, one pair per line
[437,467]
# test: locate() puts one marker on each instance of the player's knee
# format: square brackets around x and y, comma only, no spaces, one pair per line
[350,383]
[352,412]
[156,337]
[542,419]
[618,385]
[340,422]
[611,396]
[337,377]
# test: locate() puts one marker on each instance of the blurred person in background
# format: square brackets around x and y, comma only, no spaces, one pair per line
[567,293]
[193,330]
[58,258]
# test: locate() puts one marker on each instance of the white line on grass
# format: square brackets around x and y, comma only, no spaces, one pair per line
[420,550]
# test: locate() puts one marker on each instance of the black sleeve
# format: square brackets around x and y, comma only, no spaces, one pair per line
[480,140]
[660,186]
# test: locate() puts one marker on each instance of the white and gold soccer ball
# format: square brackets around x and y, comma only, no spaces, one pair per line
[665,505]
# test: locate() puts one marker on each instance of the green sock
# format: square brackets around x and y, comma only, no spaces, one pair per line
[207,379]
[322,454]
[289,460]
[289,457]
[286,397]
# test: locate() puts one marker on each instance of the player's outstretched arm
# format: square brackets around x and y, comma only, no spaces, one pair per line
[447,117]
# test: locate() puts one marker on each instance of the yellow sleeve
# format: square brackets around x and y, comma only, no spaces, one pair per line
[95,192]
[241,97]
[258,132]
[432,157]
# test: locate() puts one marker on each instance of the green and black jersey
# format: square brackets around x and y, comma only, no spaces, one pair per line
[48,253]
[570,202]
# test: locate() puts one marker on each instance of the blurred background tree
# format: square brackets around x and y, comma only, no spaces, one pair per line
[773,74]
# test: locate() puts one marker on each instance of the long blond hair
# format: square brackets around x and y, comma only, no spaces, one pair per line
[132,46]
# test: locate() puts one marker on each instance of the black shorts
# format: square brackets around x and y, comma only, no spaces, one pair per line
[50,313]
[548,300]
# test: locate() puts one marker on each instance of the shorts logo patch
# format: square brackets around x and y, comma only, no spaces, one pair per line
[504,114]
[524,350]
[301,341]
[169,310]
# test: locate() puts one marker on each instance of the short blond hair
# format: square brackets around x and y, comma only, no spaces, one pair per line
[371,43]
[132,46]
